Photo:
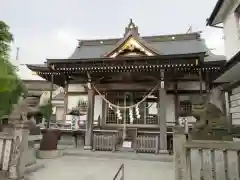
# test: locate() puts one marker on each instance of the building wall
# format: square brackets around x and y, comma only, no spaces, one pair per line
[75,92]
[231,32]
[235,106]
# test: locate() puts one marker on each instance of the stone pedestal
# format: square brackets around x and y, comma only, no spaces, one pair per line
[51,154]
[67,139]
[80,141]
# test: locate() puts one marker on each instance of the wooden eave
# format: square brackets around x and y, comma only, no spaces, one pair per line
[45,72]
[68,68]
[143,63]
[232,62]
[210,20]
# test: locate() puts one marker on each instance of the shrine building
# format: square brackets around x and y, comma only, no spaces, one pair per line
[136,87]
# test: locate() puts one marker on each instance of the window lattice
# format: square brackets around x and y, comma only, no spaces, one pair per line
[143,117]
[185,108]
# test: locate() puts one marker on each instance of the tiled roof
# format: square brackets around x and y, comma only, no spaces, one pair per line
[164,45]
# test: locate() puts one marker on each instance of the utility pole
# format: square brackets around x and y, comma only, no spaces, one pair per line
[17,54]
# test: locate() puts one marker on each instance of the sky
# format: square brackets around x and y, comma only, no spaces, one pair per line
[50,28]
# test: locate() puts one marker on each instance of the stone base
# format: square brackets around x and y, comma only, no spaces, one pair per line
[34,168]
[80,142]
[67,139]
[49,154]
[87,147]
[163,151]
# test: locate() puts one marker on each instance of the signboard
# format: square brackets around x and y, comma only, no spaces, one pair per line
[127,144]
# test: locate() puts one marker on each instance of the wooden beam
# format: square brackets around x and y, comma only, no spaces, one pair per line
[126,86]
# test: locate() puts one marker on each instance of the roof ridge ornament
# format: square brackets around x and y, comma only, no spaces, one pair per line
[131,28]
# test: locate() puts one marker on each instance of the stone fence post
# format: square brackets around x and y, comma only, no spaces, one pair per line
[180,162]
[18,157]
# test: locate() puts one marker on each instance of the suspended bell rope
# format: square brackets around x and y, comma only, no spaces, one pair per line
[126,107]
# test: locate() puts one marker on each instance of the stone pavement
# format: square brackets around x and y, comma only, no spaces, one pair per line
[118,155]
[93,168]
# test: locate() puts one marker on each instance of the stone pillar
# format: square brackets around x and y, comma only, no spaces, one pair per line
[162,116]
[179,151]
[89,124]
[20,144]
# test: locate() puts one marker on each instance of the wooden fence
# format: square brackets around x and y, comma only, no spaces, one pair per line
[5,151]
[147,144]
[206,160]
[105,140]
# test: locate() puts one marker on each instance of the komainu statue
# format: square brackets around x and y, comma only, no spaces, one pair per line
[211,123]
[23,111]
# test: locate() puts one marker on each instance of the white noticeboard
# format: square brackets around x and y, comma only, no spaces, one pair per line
[127,144]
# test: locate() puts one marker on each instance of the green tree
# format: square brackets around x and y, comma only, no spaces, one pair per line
[11,87]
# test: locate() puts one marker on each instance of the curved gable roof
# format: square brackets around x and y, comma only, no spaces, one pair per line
[164,45]
[131,38]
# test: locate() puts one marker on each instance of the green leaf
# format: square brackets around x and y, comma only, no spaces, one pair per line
[11,87]
[46,111]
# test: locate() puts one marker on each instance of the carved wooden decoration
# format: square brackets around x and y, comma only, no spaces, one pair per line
[132,45]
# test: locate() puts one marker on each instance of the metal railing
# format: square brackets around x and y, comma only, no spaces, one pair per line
[120,173]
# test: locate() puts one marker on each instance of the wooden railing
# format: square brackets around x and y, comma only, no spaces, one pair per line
[105,140]
[210,160]
[147,143]
[119,176]
[5,151]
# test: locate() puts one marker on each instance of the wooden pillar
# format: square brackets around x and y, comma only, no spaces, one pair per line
[125,117]
[103,119]
[145,112]
[176,103]
[162,116]
[89,124]
[200,80]
[65,100]
[51,94]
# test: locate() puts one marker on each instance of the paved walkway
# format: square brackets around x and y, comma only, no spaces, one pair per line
[92,168]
